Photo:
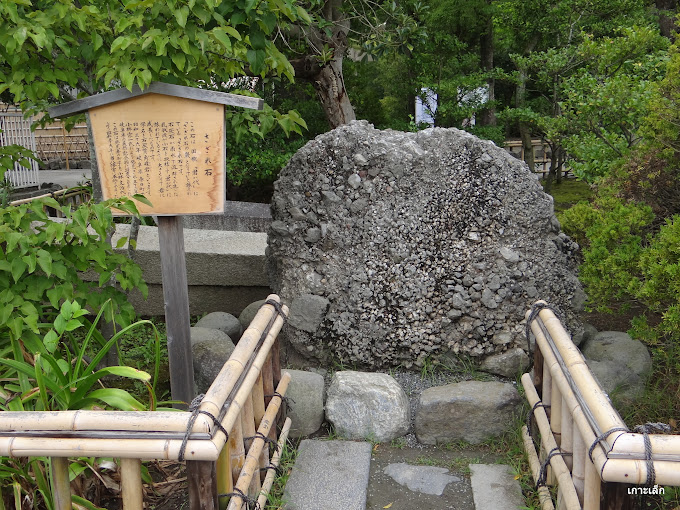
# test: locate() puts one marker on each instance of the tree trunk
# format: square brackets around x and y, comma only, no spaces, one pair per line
[330,87]
[667,13]
[524,131]
[487,116]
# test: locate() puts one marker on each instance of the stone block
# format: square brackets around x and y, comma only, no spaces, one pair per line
[364,405]
[471,411]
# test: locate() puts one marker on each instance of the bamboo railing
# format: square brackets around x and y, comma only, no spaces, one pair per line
[585,447]
[221,468]
[71,196]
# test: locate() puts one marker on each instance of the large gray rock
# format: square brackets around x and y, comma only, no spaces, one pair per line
[209,357]
[507,364]
[249,313]
[621,349]
[583,334]
[363,405]
[305,402]
[621,384]
[223,321]
[423,243]
[198,335]
[472,411]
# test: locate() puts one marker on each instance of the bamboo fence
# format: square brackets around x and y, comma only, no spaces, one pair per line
[585,447]
[235,402]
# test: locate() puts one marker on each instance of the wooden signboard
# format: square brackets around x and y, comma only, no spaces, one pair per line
[169,149]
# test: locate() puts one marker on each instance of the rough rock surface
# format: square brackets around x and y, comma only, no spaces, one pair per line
[506,364]
[305,402]
[223,321]
[422,243]
[472,411]
[363,405]
[209,357]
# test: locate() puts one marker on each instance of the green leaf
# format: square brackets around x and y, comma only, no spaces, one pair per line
[142,199]
[257,39]
[181,16]
[232,32]
[179,59]
[222,37]
[18,269]
[51,341]
[118,399]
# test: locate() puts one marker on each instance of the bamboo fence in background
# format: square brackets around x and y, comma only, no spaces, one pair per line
[217,463]
[586,449]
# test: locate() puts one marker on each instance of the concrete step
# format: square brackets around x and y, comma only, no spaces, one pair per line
[329,475]
[494,487]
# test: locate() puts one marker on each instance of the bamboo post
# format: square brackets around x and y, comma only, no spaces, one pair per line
[544,497]
[567,439]
[61,486]
[249,431]
[592,487]
[578,473]
[63,132]
[202,482]
[225,482]
[131,484]
[268,385]
[556,413]
[538,369]
[276,459]
[557,462]
[252,463]
[237,450]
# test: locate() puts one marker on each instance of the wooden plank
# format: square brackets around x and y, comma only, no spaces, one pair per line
[61,487]
[131,484]
[202,482]
[176,297]
[115,96]
[169,149]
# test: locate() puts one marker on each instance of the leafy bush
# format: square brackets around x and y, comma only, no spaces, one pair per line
[612,233]
[42,262]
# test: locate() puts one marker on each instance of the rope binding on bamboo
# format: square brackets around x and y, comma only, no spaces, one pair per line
[195,411]
[251,504]
[645,430]
[267,440]
[533,314]
[530,415]
[543,472]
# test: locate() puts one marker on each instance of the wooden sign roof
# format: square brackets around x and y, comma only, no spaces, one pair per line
[115,96]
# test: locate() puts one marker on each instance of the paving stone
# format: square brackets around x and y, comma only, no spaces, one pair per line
[494,487]
[329,475]
[425,479]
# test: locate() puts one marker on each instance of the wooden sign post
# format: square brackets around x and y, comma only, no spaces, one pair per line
[167,143]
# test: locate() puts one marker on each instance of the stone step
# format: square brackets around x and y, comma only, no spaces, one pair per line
[494,487]
[329,475]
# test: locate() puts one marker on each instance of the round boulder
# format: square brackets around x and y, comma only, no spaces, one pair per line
[363,405]
[223,321]
[249,312]
[209,358]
